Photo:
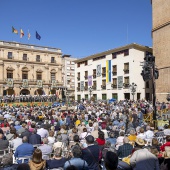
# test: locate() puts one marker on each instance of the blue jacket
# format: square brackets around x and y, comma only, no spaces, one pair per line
[23,150]
[78,163]
[35,139]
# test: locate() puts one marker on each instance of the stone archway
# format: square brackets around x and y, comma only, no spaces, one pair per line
[24,92]
[39,92]
[10,92]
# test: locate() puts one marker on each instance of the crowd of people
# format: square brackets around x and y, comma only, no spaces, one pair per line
[28,98]
[94,136]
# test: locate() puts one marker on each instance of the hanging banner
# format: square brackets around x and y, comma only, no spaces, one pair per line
[98,70]
[10,83]
[39,83]
[54,84]
[120,81]
[89,80]
[82,85]
[108,71]
[25,83]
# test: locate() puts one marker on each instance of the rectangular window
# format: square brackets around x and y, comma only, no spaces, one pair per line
[95,96]
[104,96]
[114,55]
[53,76]
[147,84]
[86,96]
[126,68]
[37,58]
[114,96]
[24,75]
[126,52]
[86,86]
[115,81]
[9,55]
[10,74]
[52,59]
[86,75]
[39,76]
[78,98]
[114,70]
[78,76]
[103,71]
[126,82]
[94,85]
[24,57]
[94,73]
[104,82]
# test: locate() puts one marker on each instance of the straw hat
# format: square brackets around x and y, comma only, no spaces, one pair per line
[140,141]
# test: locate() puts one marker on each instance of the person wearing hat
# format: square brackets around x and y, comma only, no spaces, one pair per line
[91,154]
[142,158]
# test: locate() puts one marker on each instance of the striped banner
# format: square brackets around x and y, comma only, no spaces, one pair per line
[108,71]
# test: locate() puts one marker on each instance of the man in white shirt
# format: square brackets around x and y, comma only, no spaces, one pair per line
[42,132]
[149,134]
[16,141]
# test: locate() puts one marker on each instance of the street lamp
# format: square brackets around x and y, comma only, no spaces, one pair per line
[90,91]
[133,89]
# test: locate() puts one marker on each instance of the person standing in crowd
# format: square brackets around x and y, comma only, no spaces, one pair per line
[91,154]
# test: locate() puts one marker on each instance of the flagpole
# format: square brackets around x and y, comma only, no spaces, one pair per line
[127,32]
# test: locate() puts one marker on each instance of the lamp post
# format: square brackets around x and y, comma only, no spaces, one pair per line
[90,91]
[133,89]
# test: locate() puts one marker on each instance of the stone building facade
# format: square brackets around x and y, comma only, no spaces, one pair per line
[30,69]
[161,46]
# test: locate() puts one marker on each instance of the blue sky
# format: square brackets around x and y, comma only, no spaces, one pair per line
[78,27]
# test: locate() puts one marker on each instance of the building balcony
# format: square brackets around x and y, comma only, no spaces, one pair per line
[126,85]
[94,87]
[53,61]
[114,73]
[126,71]
[86,77]
[103,87]
[85,88]
[114,86]
[94,76]
[78,78]
[78,88]
[103,74]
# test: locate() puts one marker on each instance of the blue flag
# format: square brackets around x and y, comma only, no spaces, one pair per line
[37,36]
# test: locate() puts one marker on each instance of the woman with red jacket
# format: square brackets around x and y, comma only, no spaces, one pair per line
[101,140]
